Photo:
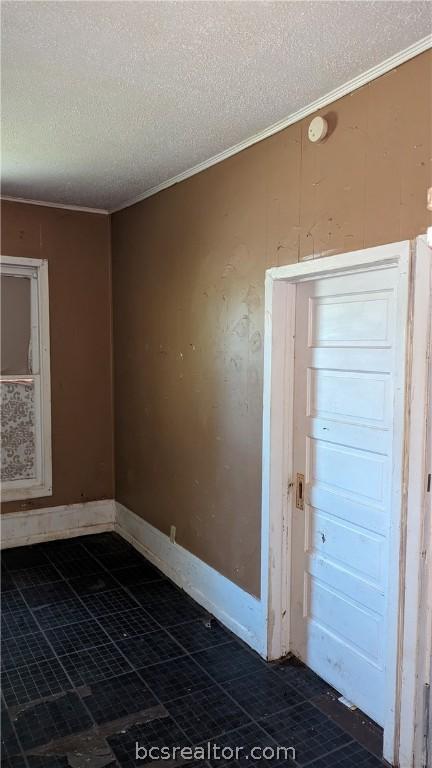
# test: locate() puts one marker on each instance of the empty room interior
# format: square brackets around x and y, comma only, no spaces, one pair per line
[216,306]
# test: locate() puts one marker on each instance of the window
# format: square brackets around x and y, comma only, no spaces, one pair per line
[25,401]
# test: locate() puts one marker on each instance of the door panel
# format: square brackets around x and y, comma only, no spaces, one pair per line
[338,320]
[344,545]
[343,438]
[359,474]
[349,621]
[330,572]
[342,395]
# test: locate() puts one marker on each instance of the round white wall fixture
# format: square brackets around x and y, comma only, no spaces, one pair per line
[318,129]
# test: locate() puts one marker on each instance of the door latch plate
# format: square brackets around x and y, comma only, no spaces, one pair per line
[300,491]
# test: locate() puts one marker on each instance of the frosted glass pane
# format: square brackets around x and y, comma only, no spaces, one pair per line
[15,325]
[18,432]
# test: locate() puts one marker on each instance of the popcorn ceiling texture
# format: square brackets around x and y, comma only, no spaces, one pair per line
[102,101]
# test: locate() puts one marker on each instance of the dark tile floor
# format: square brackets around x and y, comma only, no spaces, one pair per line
[100,651]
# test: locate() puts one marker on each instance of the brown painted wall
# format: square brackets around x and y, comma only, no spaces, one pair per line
[77,246]
[188,276]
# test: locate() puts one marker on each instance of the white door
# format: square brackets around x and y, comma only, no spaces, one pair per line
[346,375]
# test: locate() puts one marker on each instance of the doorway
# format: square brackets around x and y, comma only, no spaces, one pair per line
[336,416]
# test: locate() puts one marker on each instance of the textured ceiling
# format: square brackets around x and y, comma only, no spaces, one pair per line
[103,100]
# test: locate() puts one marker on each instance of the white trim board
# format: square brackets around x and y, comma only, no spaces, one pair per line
[32,526]
[416,651]
[230,604]
[342,90]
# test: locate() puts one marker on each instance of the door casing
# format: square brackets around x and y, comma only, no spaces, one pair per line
[405,620]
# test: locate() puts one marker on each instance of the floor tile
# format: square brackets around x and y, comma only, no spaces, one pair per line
[7,583]
[93,583]
[301,678]
[156,592]
[51,720]
[171,615]
[149,649]
[226,662]
[13,761]
[246,746]
[82,565]
[61,613]
[66,551]
[13,602]
[262,693]
[33,577]
[166,604]
[176,678]
[46,594]
[200,634]
[26,649]
[9,741]
[163,732]
[131,623]
[351,756]
[34,681]
[50,761]
[206,714]
[118,697]
[18,622]
[137,574]
[114,561]
[76,637]
[86,667]
[23,557]
[103,543]
[358,725]
[108,602]
[307,729]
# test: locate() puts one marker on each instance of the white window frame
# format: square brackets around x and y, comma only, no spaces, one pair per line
[37,271]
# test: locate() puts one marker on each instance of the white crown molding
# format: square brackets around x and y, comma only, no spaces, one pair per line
[45,204]
[352,85]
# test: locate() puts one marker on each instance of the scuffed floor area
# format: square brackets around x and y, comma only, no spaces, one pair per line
[100,652]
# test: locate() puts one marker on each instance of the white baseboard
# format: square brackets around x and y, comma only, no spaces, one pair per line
[238,610]
[232,606]
[32,526]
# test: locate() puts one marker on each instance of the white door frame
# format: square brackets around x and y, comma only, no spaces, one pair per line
[413,263]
